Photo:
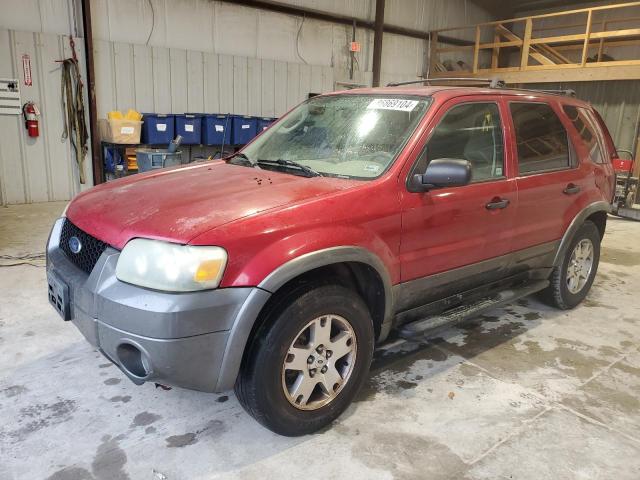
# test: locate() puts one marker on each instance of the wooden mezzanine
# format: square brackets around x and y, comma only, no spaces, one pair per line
[529,49]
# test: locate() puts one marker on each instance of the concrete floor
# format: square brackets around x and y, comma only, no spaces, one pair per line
[528,393]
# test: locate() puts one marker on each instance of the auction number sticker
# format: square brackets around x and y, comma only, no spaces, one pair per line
[392,104]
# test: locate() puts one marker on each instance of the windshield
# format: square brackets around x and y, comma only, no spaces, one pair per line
[351,136]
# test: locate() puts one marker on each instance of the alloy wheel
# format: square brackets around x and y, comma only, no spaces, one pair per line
[319,362]
[580,265]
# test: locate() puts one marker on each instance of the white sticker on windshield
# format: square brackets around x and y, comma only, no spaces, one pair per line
[392,104]
[372,168]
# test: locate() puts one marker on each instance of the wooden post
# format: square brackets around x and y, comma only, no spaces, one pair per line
[433,53]
[585,48]
[495,53]
[476,50]
[601,45]
[524,60]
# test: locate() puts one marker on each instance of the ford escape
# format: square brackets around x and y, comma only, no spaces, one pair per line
[276,270]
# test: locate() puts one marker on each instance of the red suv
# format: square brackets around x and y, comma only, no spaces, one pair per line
[277,269]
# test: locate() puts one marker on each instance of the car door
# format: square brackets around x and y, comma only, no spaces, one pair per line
[456,238]
[550,178]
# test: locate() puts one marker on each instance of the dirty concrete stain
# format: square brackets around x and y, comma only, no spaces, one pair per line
[29,334]
[618,256]
[530,316]
[71,473]
[407,456]
[145,418]
[617,273]
[109,461]
[497,348]
[121,398]
[112,381]
[406,385]
[150,430]
[179,441]
[105,365]
[213,428]
[41,415]
[592,302]
[14,390]
[222,399]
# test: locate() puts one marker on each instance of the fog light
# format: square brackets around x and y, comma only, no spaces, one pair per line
[132,360]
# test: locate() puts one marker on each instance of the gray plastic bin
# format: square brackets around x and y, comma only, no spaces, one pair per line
[153,158]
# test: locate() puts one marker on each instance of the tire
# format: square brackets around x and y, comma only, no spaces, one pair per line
[559,293]
[267,390]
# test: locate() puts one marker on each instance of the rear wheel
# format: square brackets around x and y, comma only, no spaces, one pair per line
[308,361]
[572,280]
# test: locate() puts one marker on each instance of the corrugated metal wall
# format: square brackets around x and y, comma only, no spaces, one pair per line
[190,56]
[41,169]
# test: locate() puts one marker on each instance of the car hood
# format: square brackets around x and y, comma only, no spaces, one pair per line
[179,204]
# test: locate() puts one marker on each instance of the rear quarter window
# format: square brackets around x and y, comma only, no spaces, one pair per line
[587,127]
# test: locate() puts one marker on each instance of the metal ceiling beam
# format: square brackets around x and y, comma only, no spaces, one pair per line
[96,159]
[377,43]
[341,19]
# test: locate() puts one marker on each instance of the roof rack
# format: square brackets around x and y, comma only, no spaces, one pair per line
[568,92]
[490,82]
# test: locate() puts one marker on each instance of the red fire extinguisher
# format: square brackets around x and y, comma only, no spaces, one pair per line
[31,113]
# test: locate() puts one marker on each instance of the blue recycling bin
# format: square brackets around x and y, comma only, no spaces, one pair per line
[157,129]
[216,129]
[189,126]
[244,128]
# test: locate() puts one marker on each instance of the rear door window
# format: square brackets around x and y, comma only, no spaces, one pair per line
[541,139]
[586,127]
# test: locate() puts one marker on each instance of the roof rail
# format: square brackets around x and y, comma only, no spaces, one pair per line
[568,92]
[490,82]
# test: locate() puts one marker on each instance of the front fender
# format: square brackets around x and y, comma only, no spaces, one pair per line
[289,270]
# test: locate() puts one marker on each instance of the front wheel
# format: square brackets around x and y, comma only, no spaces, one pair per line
[572,279]
[309,360]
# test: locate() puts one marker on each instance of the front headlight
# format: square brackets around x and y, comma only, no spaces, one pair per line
[171,267]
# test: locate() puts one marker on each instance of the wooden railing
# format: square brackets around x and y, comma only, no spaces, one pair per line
[521,52]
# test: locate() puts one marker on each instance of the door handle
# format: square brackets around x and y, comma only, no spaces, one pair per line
[497,203]
[571,189]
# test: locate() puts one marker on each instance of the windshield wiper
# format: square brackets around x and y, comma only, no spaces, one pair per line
[243,157]
[290,163]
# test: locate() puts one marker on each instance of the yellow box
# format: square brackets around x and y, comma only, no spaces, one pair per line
[121,131]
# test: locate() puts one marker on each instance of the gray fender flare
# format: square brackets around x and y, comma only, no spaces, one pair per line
[575,224]
[243,324]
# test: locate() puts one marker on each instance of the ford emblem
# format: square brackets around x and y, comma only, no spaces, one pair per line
[75,245]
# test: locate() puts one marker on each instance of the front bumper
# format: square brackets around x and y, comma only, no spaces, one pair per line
[179,339]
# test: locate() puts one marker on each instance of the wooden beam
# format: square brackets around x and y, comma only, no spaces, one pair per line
[476,50]
[558,39]
[585,48]
[434,58]
[628,32]
[495,54]
[545,15]
[524,59]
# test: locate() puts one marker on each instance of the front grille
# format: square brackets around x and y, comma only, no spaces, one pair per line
[90,251]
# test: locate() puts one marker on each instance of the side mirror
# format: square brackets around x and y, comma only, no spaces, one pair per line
[443,172]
